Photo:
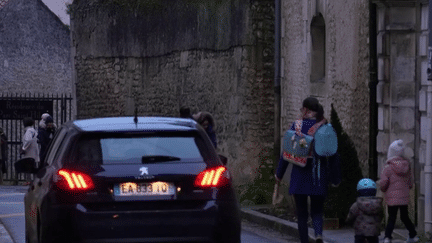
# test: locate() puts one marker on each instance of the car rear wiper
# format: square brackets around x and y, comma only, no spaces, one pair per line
[157,158]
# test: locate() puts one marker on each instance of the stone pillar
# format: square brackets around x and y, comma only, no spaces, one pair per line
[400,59]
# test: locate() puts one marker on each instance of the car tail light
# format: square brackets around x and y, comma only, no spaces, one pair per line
[214,177]
[73,180]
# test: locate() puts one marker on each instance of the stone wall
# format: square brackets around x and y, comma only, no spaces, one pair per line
[401,92]
[210,56]
[346,65]
[34,50]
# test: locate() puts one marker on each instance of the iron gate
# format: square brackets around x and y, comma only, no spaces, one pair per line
[13,108]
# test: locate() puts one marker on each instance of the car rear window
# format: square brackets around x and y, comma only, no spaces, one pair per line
[134,150]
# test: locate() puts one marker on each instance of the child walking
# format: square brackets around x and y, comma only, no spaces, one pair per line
[366,213]
[396,182]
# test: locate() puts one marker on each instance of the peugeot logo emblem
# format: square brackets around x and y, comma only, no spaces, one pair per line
[144,170]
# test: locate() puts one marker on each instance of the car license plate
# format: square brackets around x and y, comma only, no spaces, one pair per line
[157,188]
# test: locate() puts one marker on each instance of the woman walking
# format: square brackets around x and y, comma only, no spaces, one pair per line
[312,180]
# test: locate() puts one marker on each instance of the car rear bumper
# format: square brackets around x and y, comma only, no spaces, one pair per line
[138,225]
[178,225]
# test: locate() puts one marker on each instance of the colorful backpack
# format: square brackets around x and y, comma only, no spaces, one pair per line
[297,146]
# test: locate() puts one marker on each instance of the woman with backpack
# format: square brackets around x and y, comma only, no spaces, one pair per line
[311,180]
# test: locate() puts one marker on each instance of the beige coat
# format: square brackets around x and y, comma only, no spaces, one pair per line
[29,144]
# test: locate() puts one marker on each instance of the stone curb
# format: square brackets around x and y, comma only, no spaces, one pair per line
[280,225]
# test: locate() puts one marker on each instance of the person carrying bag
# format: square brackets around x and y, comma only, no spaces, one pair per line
[311,178]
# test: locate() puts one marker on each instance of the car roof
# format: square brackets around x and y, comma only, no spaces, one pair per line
[113,124]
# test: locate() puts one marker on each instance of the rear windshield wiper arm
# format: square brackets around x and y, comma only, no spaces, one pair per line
[158,158]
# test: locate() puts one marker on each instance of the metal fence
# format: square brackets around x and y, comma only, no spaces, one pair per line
[15,107]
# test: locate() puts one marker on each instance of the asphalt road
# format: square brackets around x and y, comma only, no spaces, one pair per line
[12,218]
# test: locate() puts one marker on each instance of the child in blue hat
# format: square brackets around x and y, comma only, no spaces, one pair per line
[366,213]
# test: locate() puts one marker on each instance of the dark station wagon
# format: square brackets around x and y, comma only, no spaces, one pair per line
[126,179]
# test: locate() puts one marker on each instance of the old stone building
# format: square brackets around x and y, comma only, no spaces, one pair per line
[34,49]
[325,54]
[157,56]
[368,59]
[402,57]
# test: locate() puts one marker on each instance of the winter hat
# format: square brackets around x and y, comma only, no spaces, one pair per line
[366,188]
[45,116]
[396,149]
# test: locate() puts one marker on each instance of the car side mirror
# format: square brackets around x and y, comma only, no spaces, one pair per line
[223,159]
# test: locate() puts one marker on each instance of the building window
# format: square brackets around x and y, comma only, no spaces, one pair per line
[318,49]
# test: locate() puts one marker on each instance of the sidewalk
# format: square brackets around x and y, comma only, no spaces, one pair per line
[344,235]
[5,236]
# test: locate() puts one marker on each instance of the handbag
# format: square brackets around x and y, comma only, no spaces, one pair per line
[25,165]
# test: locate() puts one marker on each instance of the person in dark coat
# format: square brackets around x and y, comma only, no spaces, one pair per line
[45,135]
[185,112]
[312,180]
[3,150]
[205,119]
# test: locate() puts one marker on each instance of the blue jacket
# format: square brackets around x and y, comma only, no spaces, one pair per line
[313,179]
